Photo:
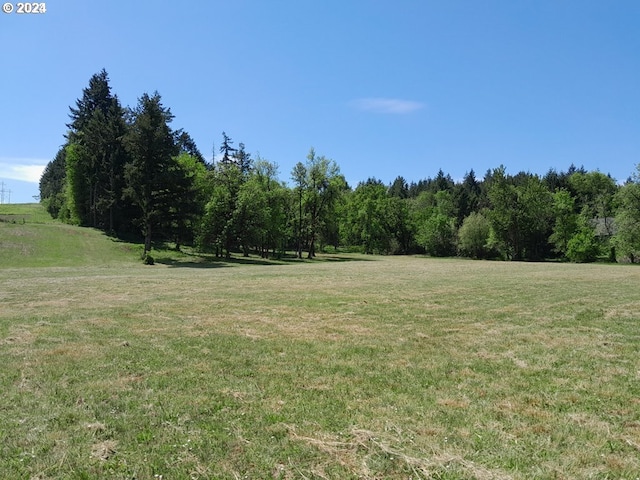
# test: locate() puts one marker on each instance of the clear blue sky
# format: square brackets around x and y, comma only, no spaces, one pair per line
[384,88]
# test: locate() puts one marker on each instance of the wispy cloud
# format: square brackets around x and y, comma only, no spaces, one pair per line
[394,106]
[23,169]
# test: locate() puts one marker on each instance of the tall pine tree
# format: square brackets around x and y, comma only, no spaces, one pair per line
[96,166]
[152,172]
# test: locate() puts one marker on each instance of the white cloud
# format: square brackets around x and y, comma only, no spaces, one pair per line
[386,105]
[23,169]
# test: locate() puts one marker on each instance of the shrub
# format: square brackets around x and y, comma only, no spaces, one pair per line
[583,247]
[473,236]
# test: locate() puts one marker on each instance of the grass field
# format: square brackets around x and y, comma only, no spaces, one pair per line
[30,238]
[346,367]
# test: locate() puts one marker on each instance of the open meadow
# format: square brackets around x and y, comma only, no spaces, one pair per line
[349,366]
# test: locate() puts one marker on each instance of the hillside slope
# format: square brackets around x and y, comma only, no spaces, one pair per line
[29,238]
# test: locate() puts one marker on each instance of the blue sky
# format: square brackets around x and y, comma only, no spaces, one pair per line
[384,88]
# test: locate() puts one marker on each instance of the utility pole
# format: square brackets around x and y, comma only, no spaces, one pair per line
[2,192]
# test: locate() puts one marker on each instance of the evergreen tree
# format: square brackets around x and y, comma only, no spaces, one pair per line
[243,159]
[442,182]
[52,184]
[227,150]
[96,97]
[97,130]
[399,188]
[152,171]
[466,197]
[186,145]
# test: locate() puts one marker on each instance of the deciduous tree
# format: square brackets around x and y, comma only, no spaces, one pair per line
[473,236]
[627,220]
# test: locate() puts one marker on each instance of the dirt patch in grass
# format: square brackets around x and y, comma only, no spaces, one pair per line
[104,450]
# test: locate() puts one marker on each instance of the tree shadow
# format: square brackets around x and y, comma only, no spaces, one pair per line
[179,263]
[202,260]
[342,258]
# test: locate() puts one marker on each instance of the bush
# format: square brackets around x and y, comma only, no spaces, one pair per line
[583,247]
[473,236]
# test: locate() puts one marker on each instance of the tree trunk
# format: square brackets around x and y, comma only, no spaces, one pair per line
[147,238]
[312,247]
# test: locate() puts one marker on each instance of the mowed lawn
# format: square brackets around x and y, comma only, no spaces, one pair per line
[345,367]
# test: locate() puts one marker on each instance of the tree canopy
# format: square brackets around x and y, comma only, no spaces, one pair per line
[128,172]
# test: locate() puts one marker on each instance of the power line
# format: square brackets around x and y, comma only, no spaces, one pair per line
[2,192]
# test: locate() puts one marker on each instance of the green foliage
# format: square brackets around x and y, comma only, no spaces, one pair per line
[466,197]
[473,236]
[274,217]
[399,188]
[52,184]
[244,204]
[521,209]
[251,214]
[583,247]
[188,182]
[366,218]
[185,144]
[318,186]
[77,189]
[220,227]
[392,231]
[433,215]
[152,174]
[627,221]
[594,192]
[299,177]
[566,221]
[215,225]
[437,235]
[125,173]
[96,156]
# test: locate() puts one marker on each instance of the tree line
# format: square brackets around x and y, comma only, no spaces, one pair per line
[128,172]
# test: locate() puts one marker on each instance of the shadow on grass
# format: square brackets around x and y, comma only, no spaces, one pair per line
[181,263]
[200,260]
[164,253]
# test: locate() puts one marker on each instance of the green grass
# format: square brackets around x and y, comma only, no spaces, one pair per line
[368,367]
[23,213]
[30,238]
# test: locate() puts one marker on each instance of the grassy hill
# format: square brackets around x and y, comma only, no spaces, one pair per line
[29,237]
